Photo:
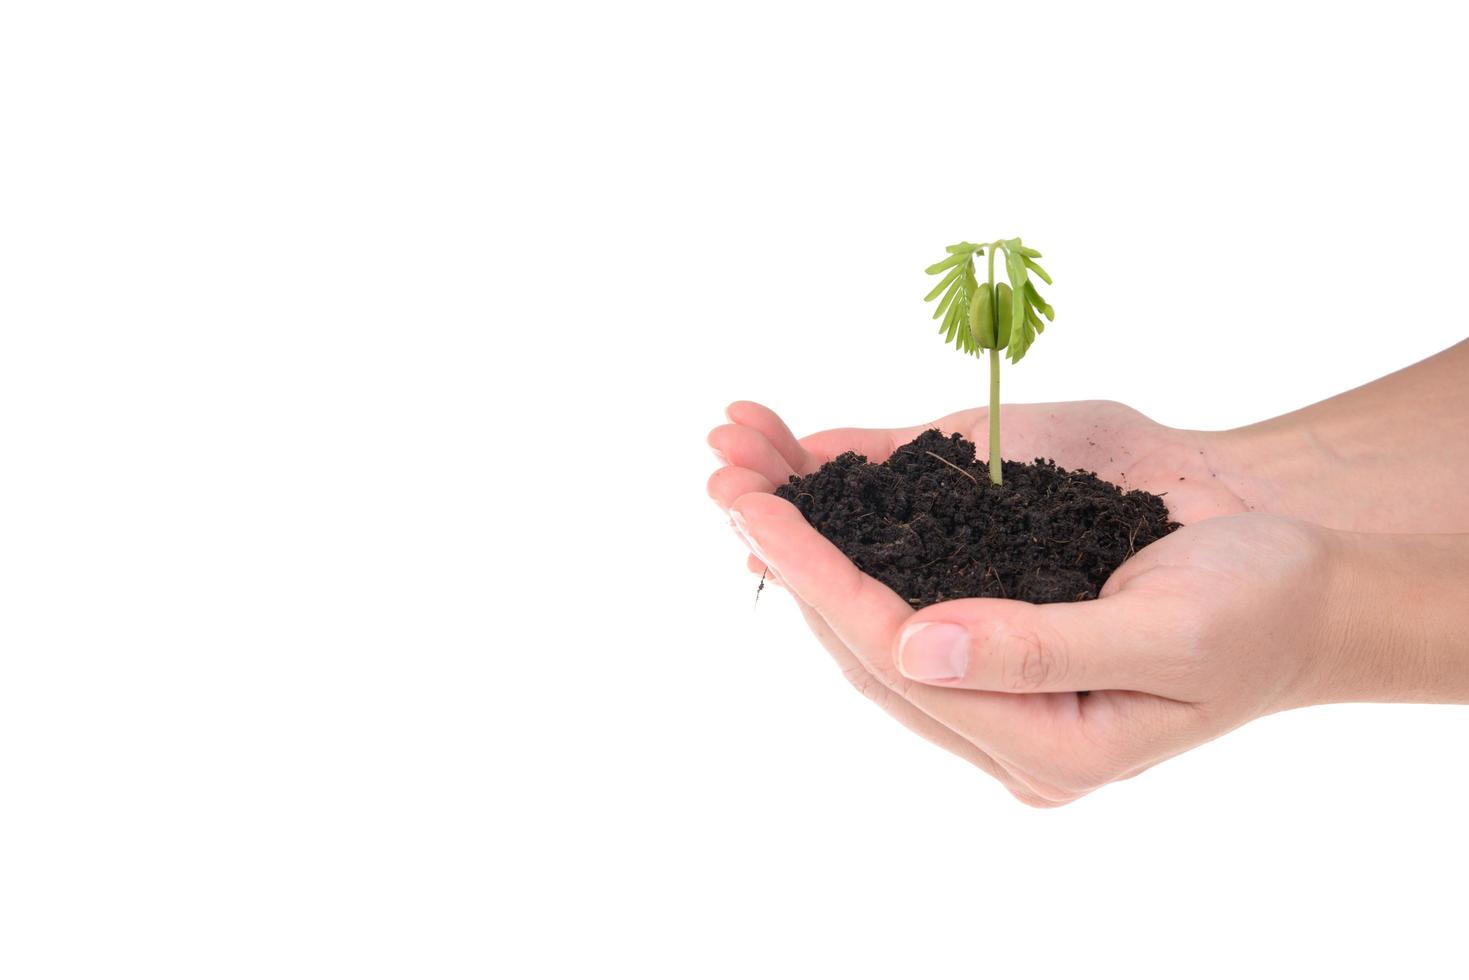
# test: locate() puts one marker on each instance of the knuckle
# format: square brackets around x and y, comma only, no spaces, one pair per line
[1070,764]
[1081,776]
[1064,782]
[1037,802]
[1040,796]
[1061,781]
[900,685]
[866,684]
[1027,663]
[879,689]
[1134,772]
[1045,794]
[1091,762]
[1199,648]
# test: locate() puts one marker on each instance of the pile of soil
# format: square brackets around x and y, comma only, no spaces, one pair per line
[930,525]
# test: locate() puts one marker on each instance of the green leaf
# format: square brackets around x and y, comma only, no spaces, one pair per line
[944,283]
[951,323]
[976,316]
[1020,341]
[1016,272]
[954,288]
[965,340]
[1034,298]
[1021,334]
[940,266]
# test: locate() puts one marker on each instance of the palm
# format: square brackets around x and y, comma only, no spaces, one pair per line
[1227,573]
[1117,443]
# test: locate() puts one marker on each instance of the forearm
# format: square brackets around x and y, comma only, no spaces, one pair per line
[1390,456]
[1399,629]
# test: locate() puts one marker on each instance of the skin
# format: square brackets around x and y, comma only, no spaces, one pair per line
[1324,559]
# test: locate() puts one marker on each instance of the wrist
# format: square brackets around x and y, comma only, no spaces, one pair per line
[1280,468]
[1397,623]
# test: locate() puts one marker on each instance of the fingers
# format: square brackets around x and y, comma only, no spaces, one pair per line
[878,444]
[803,456]
[1034,737]
[758,513]
[908,715]
[819,574]
[729,483]
[1056,745]
[740,445]
[760,568]
[768,424]
[992,680]
[1121,642]
[866,616]
[1140,730]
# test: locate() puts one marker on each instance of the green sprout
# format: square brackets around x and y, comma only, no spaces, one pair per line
[988,317]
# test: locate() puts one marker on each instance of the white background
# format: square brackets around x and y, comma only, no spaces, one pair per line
[363,613]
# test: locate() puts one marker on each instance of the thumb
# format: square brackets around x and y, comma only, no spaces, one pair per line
[1121,642]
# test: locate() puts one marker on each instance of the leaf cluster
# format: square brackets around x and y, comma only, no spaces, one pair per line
[977,317]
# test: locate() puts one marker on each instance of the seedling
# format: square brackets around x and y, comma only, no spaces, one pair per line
[922,546]
[988,316]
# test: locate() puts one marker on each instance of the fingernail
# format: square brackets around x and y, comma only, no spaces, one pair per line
[744,530]
[723,459]
[934,652]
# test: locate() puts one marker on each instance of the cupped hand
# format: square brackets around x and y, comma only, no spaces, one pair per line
[1164,650]
[1116,442]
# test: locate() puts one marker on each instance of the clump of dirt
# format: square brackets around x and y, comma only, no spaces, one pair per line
[930,525]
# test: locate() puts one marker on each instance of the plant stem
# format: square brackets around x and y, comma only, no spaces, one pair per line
[995,416]
[995,475]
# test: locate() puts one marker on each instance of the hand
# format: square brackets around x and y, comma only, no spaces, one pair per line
[1117,443]
[1168,620]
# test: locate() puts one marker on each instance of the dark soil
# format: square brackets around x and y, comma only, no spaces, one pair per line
[931,532]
